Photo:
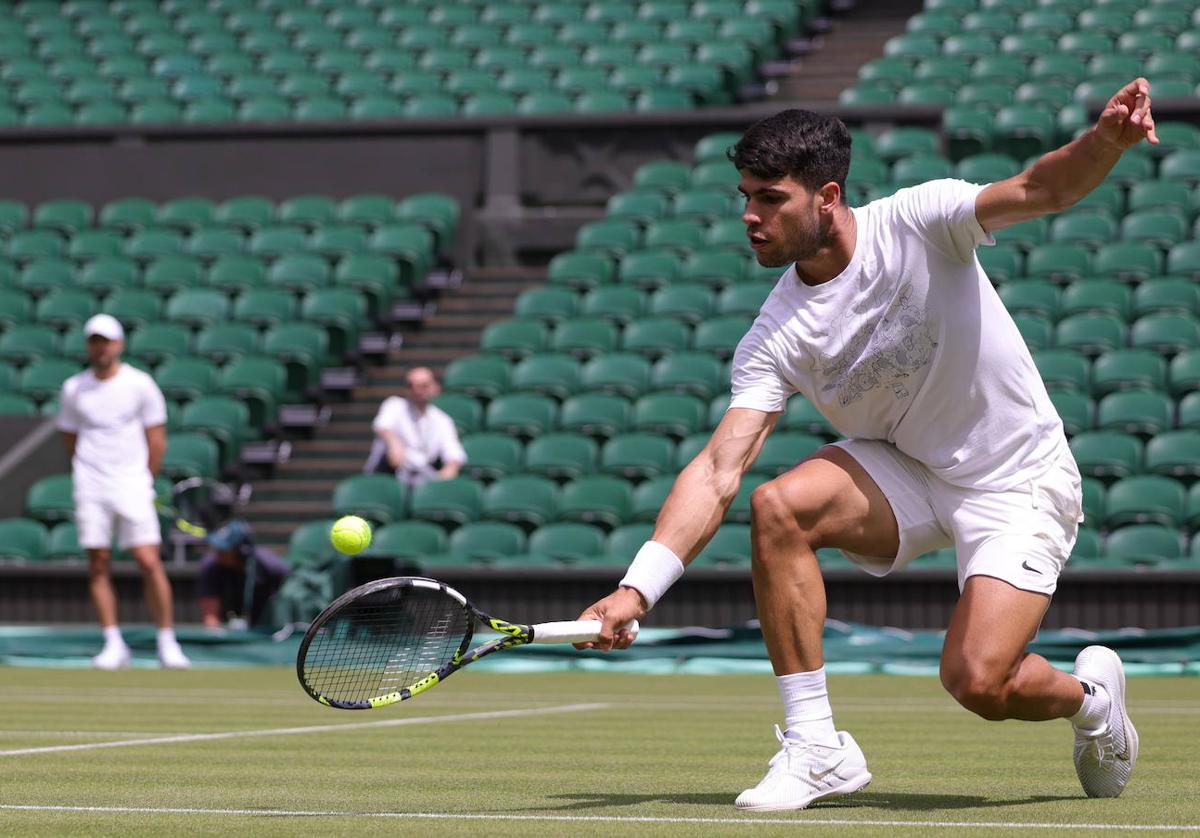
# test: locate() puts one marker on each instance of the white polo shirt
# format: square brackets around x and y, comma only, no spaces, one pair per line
[110,418]
[909,344]
[427,437]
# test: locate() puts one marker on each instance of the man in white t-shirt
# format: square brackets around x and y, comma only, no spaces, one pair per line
[888,324]
[113,418]
[415,439]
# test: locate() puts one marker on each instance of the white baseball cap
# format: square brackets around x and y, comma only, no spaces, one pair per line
[104,325]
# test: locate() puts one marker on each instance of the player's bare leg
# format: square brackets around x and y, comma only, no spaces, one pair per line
[158,596]
[115,654]
[986,668]
[827,501]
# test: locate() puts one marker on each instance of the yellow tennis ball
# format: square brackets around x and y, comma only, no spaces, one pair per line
[350,535]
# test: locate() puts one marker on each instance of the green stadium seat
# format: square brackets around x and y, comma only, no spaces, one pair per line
[299,273]
[690,302]
[491,455]
[264,307]
[1001,262]
[1144,544]
[407,540]
[1088,545]
[1184,260]
[1091,334]
[550,305]
[1145,412]
[22,540]
[62,544]
[1146,499]
[521,414]
[653,268]
[568,541]
[584,337]
[65,215]
[65,308]
[341,312]
[246,212]
[379,498]
[1166,333]
[186,378]
[1093,501]
[480,376]
[166,275]
[1089,229]
[802,415]
[488,541]
[783,451]
[1024,236]
[1128,369]
[225,419]
[637,456]
[50,499]
[186,214]
[1065,369]
[603,500]
[28,245]
[107,274]
[514,338]
[581,269]
[674,413]
[526,500]
[595,414]
[618,303]
[1097,297]
[692,373]
[87,245]
[456,501]
[1169,295]
[155,343]
[310,541]
[1076,410]
[563,456]
[223,342]
[190,455]
[654,337]
[1058,262]
[729,547]
[1037,297]
[25,344]
[12,404]
[1161,229]
[303,348]
[464,410]
[557,376]
[197,307]
[720,335]
[41,276]
[649,497]
[260,382]
[1175,453]
[1107,454]
[15,308]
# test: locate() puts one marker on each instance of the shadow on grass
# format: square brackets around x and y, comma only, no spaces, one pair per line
[895,802]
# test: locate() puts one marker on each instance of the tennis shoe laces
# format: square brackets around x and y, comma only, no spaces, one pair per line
[801,773]
[1104,758]
[112,656]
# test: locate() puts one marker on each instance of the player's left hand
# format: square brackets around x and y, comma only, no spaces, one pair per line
[1126,119]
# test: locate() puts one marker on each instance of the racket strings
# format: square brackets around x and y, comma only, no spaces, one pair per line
[384,642]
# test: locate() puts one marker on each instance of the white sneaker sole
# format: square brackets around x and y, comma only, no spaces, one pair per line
[847,787]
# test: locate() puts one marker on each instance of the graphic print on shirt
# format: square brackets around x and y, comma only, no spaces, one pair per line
[879,353]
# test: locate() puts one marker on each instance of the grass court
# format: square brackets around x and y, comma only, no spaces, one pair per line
[246,752]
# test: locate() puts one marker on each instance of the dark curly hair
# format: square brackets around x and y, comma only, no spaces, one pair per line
[812,148]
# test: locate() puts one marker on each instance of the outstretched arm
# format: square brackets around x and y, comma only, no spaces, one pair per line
[692,512]
[1061,177]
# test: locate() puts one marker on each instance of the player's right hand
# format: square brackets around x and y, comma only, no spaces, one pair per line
[616,609]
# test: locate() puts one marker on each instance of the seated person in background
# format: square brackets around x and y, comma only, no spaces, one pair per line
[237,579]
[414,438]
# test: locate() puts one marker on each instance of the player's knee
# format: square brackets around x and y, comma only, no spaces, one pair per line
[771,513]
[99,562]
[981,690]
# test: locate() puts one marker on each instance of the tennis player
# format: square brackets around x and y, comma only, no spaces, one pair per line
[886,321]
[113,418]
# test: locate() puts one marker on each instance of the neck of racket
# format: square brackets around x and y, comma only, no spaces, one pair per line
[573,631]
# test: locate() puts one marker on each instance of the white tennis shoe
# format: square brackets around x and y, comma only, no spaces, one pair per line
[802,773]
[1104,758]
[112,656]
[171,656]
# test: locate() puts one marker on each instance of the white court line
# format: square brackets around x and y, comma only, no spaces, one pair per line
[798,820]
[291,731]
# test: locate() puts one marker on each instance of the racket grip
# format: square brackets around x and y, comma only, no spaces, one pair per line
[574,631]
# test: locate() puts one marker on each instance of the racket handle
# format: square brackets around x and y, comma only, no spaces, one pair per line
[574,631]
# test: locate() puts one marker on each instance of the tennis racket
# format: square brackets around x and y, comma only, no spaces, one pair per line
[198,505]
[392,639]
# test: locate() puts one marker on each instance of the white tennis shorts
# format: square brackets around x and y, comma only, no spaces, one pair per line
[1022,536]
[129,515]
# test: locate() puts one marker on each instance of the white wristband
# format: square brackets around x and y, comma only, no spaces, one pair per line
[654,569]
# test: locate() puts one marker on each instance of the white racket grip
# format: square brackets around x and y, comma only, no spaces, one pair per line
[574,631]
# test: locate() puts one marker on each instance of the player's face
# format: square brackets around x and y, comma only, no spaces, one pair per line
[102,352]
[782,220]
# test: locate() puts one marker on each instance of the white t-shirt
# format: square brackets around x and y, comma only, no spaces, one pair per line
[909,344]
[110,418]
[427,436]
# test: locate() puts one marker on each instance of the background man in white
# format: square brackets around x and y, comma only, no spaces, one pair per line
[887,322]
[414,437]
[113,418]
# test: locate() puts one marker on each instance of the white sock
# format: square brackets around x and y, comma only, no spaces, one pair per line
[806,710]
[112,636]
[166,637]
[1094,713]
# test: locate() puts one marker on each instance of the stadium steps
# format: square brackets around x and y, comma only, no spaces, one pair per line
[852,41]
[301,488]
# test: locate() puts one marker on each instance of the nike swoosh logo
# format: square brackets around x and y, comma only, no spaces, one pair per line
[818,776]
[1031,569]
